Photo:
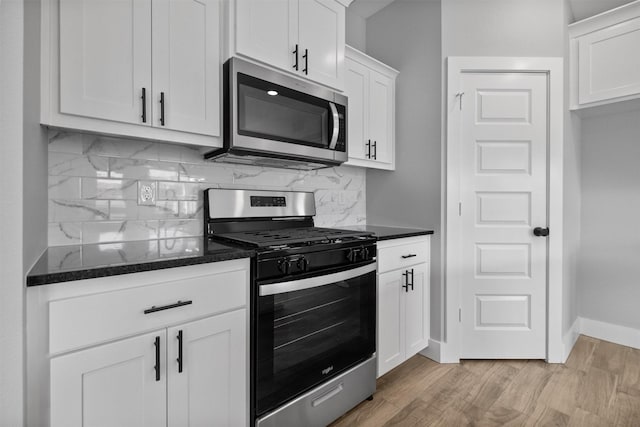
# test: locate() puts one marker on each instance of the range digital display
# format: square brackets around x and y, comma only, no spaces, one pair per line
[268,201]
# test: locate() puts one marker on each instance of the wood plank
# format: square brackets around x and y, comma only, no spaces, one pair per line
[372,413]
[546,416]
[609,357]
[582,418]
[630,379]
[582,353]
[561,392]
[596,391]
[625,410]
[523,392]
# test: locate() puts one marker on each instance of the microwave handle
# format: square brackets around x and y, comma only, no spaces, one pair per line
[336,126]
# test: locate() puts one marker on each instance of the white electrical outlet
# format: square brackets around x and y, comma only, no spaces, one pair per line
[147,193]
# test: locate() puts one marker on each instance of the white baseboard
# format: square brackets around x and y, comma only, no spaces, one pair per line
[433,351]
[569,339]
[622,335]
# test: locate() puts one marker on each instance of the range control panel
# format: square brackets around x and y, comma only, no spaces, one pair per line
[265,201]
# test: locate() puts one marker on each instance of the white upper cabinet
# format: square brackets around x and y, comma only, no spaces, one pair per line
[186,65]
[605,65]
[370,86]
[105,58]
[303,37]
[133,68]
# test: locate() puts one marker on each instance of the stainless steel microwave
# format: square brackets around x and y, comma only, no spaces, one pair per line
[271,119]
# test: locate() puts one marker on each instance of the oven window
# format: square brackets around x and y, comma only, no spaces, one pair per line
[305,337]
[270,111]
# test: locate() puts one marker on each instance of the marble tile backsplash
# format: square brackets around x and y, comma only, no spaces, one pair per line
[93,184]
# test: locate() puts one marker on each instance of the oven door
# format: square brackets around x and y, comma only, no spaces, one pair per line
[311,329]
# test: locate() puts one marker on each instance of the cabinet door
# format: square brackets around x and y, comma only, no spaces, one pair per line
[321,32]
[381,117]
[391,342]
[212,387]
[357,90]
[417,310]
[266,30]
[105,58]
[186,65]
[110,385]
[609,64]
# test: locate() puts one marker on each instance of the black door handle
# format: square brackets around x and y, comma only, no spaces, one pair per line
[144,105]
[368,145]
[306,61]
[539,231]
[179,359]
[295,52]
[162,108]
[375,150]
[406,281]
[156,343]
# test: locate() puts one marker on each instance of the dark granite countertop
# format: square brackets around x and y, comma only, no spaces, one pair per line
[388,233]
[78,262]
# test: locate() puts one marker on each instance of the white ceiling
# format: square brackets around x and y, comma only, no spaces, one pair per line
[581,8]
[366,8]
[585,8]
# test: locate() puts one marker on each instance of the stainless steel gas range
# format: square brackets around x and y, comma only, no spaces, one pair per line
[313,305]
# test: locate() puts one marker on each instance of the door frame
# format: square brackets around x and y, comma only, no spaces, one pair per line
[553,68]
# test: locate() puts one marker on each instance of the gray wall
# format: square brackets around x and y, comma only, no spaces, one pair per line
[356,30]
[11,271]
[502,28]
[609,267]
[406,35]
[572,197]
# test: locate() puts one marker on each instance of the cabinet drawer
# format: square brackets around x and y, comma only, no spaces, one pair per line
[402,253]
[86,320]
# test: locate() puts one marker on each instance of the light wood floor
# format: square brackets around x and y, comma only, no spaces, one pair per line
[598,386]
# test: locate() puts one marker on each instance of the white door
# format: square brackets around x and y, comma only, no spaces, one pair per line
[186,65]
[357,90]
[266,30]
[111,385]
[391,315]
[381,117]
[105,59]
[417,313]
[321,34]
[212,387]
[503,187]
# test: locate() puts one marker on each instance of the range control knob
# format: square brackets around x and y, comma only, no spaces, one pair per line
[353,254]
[284,265]
[302,263]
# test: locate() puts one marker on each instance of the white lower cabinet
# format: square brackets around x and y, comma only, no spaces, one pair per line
[211,389]
[110,385]
[170,349]
[403,300]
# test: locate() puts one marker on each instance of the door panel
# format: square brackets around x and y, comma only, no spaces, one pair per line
[357,90]
[504,196]
[265,31]
[417,317]
[321,32]
[391,316]
[105,58]
[381,117]
[110,385]
[211,389]
[186,65]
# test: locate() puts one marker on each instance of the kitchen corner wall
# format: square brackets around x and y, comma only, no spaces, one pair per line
[93,187]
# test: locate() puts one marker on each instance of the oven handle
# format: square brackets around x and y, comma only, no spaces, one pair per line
[314,282]
[336,126]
